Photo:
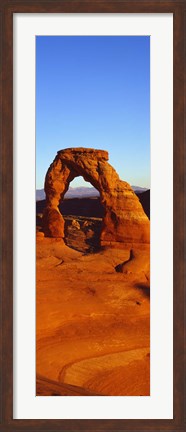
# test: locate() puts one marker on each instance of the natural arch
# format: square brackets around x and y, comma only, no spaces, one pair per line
[124,222]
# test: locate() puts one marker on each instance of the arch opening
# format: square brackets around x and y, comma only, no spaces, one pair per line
[82,211]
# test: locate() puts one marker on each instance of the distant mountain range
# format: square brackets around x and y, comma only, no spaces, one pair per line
[82,192]
[139,189]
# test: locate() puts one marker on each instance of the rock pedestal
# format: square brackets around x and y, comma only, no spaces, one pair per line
[125,223]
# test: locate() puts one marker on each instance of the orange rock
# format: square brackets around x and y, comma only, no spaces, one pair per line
[138,263]
[124,222]
[40,234]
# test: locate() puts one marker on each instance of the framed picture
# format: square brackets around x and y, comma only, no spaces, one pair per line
[92,291]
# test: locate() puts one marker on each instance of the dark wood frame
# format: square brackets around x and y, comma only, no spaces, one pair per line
[7,9]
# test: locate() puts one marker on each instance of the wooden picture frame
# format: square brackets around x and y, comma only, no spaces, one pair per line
[7,9]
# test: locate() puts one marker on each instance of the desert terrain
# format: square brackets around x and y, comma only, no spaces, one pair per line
[93,309]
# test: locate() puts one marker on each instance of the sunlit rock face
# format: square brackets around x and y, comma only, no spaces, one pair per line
[124,223]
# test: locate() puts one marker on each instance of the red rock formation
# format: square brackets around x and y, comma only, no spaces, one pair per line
[138,263]
[124,223]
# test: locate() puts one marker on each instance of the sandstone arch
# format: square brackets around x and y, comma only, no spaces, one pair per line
[124,222]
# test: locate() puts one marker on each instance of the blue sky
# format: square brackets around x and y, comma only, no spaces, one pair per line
[94,91]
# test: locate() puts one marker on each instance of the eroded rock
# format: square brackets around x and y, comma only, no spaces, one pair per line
[124,221]
[138,263]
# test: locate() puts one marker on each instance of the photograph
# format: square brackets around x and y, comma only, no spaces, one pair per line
[92,215]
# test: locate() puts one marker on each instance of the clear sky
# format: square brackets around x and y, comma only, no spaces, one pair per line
[94,91]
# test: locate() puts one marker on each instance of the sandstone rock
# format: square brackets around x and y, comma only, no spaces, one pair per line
[124,221]
[86,224]
[75,224]
[89,233]
[138,263]
[40,234]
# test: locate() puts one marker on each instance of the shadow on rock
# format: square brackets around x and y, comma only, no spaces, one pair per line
[144,287]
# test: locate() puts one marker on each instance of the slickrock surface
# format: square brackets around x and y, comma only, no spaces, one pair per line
[125,223]
[138,263]
[93,322]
